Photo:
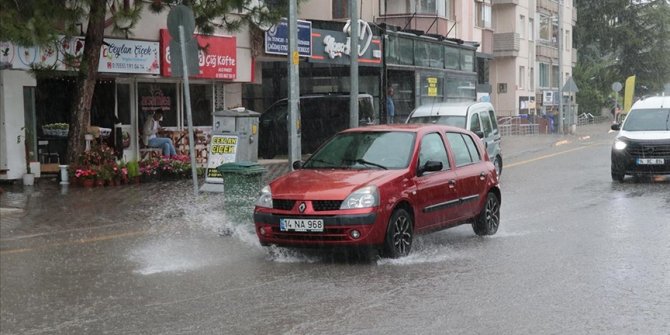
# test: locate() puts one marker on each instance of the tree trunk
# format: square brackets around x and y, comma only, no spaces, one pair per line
[80,114]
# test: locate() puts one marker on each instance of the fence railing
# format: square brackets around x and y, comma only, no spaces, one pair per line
[517,125]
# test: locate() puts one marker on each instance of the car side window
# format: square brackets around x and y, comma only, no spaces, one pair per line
[460,148]
[494,122]
[475,125]
[432,149]
[475,155]
[486,123]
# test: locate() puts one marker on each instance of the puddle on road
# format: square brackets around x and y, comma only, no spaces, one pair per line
[168,255]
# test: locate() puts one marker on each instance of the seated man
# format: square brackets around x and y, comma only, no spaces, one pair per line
[150,131]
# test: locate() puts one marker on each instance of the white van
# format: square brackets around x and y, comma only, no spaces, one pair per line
[477,117]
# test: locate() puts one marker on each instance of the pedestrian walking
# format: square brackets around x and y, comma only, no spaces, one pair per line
[390,106]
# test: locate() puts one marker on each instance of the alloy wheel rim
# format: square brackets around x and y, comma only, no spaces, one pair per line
[402,235]
[492,213]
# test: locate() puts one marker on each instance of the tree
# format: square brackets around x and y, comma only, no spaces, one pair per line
[40,22]
[619,38]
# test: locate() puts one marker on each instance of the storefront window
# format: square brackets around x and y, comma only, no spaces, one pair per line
[436,55]
[405,51]
[154,96]
[452,58]
[432,88]
[201,105]
[461,88]
[123,103]
[422,53]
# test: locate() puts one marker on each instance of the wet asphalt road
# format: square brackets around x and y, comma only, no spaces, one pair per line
[575,254]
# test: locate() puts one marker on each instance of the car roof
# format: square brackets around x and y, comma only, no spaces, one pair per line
[449,108]
[652,103]
[408,127]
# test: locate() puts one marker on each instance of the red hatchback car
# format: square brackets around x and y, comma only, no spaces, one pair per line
[378,186]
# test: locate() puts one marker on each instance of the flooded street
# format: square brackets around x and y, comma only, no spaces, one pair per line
[575,254]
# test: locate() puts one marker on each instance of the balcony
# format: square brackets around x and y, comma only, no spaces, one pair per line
[547,5]
[427,23]
[546,53]
[506,44]
[505,2]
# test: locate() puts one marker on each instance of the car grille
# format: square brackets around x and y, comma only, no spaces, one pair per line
[649,149]
[326,205]
[318,205]
[282,204]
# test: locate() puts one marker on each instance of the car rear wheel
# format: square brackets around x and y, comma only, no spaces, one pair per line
[488,220]
[399,234]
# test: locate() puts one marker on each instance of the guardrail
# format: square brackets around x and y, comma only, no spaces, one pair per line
[517,125]
[588,118]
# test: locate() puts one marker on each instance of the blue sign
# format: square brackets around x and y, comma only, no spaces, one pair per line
[276,38]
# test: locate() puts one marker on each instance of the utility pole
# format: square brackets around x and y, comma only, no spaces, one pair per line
[353,38]
[560,66]
[294,126]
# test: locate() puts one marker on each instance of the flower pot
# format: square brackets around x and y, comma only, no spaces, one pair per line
[87,183]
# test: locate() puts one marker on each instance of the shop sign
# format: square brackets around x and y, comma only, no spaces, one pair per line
[128,56]
[432,86]
[334,47]
[116,56]
[276,38]
[217,56]
[222,149]
[154,100]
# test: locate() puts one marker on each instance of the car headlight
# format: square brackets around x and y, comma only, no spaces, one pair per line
[265,197]
[619,145]
[365,197]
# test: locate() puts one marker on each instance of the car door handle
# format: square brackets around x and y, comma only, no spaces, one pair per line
[452,183]
[482,176]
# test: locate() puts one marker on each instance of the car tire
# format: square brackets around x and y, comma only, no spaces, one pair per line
[497,162]
[399,234]
[488,220]
[617,176]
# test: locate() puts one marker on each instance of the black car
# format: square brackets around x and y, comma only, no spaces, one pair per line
[642,146]
[321,116]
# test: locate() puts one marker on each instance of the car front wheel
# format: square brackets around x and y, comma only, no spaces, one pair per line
[399,234]
[488,220]
[617,176]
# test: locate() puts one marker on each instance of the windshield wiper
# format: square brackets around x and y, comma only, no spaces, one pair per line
[364,162]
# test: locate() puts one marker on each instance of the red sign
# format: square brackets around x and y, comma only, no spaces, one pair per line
[217,56]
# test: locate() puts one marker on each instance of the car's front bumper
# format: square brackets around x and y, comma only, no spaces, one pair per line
[627,161]
[338,230]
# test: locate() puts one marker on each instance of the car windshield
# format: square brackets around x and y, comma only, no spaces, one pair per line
[450,120]
[364,150]
[648,120]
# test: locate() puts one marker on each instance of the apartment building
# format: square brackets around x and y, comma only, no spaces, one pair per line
[517,42]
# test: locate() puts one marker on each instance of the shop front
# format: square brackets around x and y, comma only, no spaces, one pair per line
[134,81]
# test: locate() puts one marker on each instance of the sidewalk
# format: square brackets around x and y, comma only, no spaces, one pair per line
[47,207]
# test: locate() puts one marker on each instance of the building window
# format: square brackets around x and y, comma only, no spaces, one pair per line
[522,77]
[532,79]
[340,9]
[531,29]
[449,9]
[544,75]
[453,58]
[522,26]
[202,104]
[555,80]
[568,41]
[545,28]
[483,12]
[427,7]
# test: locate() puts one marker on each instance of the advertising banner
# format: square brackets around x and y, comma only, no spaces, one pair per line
[334,47]
[222,149]
[217,56]
[128,56]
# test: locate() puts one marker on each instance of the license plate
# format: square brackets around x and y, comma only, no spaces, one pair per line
[305,225]
[650,161]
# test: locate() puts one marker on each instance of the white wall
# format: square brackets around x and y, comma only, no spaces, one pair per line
[12,116]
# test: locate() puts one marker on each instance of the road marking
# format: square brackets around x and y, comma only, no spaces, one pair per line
[75,242]
[547,156]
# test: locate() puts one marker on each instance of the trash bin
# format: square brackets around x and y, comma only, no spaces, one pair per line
[241,183]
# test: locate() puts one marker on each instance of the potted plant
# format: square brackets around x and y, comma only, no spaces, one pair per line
[133,168]
[85,176]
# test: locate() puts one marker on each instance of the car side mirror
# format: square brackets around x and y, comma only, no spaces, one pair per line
[430,166]
[479,133]
[297,165]
[616,126]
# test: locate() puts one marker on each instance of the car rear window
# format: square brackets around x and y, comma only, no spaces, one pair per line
[449,120]
[647,120]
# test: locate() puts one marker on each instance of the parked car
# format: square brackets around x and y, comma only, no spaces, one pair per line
[321,117]
[642,146]
[478,117]
[377,186]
